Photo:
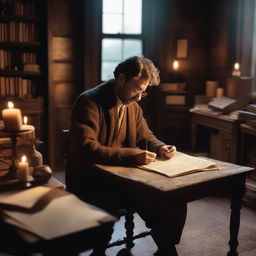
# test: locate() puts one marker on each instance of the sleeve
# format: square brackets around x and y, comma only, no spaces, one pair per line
[85,145]
[144,133]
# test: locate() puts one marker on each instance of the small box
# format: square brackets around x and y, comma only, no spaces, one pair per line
[171,87]
[239,87]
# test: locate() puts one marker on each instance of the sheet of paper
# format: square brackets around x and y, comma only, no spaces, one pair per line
[24,198]
[62,216]
[180,164]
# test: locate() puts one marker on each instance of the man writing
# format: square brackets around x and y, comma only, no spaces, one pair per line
[108,127]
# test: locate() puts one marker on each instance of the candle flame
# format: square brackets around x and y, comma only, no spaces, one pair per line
[25,119]
[23,159]
[236,66]
[175,65]
[10,104]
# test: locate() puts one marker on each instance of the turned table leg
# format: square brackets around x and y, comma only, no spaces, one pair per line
[237,192]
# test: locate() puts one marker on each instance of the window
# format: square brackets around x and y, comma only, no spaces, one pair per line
[121,33]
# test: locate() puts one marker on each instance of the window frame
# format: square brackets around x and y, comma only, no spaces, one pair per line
[118,36]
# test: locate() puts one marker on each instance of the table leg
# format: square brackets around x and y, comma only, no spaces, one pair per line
[237,192]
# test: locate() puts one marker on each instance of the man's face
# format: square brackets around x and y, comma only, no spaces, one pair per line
[132,90]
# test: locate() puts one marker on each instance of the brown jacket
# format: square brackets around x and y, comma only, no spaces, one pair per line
[93,130]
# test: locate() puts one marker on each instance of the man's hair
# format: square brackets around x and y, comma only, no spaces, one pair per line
[138,66]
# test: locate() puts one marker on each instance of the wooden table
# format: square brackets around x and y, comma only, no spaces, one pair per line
[224,134]
[154,190]
[17,241]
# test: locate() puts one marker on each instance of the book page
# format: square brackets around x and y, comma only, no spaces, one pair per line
[180,164]
[61,216]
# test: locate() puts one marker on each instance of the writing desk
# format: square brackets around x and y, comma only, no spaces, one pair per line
[18,241]
[224,140]
[155,190]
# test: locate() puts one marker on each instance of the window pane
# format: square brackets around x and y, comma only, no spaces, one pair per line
[132,24]
[131,48]
[107,69]
[133,6]
[112,23]
[111,49]
[113,6]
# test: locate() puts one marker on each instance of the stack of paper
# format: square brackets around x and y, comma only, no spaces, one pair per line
[180,164]
[49,212]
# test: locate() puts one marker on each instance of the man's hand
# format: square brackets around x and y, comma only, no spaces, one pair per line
[146,157]
[167,151]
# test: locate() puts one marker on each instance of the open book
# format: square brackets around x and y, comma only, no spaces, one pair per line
[180,164]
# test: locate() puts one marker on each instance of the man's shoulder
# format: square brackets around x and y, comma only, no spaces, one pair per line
[98,91]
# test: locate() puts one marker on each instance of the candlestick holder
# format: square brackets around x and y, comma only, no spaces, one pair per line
[12,174]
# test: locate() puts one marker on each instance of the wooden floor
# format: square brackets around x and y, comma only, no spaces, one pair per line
[206,231]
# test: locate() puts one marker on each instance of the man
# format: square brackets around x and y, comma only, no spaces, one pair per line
[107,127]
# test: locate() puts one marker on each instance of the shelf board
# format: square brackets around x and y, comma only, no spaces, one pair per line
[19,73]
[20,44]
[19,18]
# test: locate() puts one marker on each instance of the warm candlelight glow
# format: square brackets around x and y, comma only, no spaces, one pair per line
[236,70]
[236,66]
[10,104]
[25,120]
[175,65]
[23,159]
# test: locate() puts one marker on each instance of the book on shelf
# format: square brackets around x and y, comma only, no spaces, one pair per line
[180,164]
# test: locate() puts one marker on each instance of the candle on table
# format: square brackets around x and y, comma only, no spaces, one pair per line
[236,70]
[23,169]
[12,118]
[175,65]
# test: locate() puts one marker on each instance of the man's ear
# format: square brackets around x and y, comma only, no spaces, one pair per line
[121,78]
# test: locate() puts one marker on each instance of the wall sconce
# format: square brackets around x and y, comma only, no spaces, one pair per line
[236,70]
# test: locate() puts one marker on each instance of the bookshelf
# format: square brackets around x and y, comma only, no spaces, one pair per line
[23,60]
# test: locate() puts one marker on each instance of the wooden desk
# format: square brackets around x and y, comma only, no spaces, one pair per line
[17,241]
[155,190]
[224,134]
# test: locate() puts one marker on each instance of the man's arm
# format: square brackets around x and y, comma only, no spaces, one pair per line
[85,128]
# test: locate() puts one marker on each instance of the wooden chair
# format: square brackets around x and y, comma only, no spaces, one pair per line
[127,213]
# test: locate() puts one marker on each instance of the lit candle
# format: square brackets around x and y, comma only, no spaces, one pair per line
[12,118]
[175,65]
[23,169]
[236,70]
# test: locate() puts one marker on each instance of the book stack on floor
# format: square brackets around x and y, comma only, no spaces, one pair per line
[248,116]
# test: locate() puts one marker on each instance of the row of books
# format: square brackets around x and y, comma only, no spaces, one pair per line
[9,59]
[16,87]
[14,31]
[17,7]
[248,115]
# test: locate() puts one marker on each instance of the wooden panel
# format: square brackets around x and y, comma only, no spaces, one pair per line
[64,93]
[62,71]
[62,14]
[62,48]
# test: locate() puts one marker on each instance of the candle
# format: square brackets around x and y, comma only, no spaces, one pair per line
[236,70]
[12,118]
[23,169]
[175,65]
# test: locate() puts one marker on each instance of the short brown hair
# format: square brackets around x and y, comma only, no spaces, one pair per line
[138,66]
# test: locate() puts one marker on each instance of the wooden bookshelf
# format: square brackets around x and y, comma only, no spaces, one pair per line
[23,59]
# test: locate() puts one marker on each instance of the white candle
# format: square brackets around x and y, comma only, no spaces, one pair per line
[23,170]
[12,118]
[175,65]
[236,70]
